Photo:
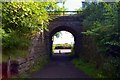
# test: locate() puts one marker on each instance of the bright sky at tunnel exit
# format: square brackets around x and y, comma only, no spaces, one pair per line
[67,37]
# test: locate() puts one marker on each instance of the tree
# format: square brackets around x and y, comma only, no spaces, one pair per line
[101,22]
[21,20]
[57,35]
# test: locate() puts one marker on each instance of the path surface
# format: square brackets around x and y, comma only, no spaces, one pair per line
[60,66]
[62,50]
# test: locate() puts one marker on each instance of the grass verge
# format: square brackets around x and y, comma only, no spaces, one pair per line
[14,54]
[88,69]
[40,63]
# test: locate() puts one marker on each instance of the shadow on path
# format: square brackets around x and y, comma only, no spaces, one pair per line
[60,66]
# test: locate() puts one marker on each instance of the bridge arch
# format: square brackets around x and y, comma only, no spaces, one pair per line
[61,28]
[71,24]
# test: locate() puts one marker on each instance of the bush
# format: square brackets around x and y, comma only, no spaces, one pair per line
[13,40]
[101,22]
[87,68]
[53,47]
[63,46]
[39,64]
[111,67]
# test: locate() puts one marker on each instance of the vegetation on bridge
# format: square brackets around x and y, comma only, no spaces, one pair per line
[21,21]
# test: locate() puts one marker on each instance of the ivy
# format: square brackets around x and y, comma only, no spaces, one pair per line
[21,20]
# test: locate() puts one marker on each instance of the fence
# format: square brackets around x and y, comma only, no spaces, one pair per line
[64,13]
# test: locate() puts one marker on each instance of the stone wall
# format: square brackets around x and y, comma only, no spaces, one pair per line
[41,46]
[37,52]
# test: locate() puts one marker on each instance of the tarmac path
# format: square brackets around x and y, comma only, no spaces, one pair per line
[60,66]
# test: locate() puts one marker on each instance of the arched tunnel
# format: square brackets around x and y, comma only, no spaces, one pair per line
[65,23]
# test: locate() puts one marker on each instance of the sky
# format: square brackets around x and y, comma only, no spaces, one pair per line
[71,5]
[67,37]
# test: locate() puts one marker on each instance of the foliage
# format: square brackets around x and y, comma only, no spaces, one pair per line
[63,46]
[14,54]
[101,21]
[58,34]
[111,67]
[21,21]
[41,62]
[53,48]
[88,69]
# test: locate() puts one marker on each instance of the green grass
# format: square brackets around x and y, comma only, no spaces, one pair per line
[63,46]
[22,76]
[87,68]
[40,63]
[13,54]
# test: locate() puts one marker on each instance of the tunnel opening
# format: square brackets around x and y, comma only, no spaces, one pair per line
[63,43]
[72,51]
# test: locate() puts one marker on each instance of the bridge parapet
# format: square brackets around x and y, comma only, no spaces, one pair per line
[69,18]
[55,14]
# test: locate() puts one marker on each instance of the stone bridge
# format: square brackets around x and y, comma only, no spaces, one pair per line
[41,48]
[72,24]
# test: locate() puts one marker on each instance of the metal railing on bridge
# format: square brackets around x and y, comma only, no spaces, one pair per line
[64,13]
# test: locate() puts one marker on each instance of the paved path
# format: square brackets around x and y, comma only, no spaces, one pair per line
[62,50]
[60,66]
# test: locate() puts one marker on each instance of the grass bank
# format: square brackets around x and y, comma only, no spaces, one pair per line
[13,54]
[88,68]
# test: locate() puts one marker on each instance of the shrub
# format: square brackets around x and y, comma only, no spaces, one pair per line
[111,67]
[63,46]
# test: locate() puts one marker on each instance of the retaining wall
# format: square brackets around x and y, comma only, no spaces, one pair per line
[36,51]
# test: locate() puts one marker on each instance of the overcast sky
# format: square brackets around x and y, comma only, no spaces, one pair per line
[71,5]
[65,37]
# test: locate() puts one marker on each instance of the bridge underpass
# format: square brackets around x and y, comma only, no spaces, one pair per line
[60,65]
[70,23]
